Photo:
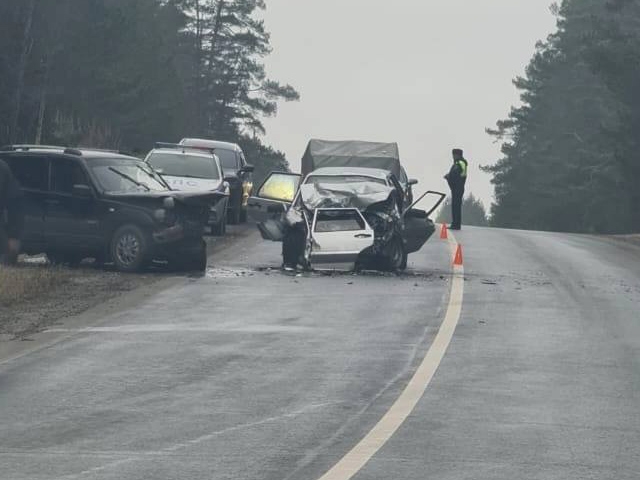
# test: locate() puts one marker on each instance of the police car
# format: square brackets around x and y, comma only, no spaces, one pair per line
[189,170]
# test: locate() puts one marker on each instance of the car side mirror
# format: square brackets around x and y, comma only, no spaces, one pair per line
[83,191]
[413,182]
[248,168]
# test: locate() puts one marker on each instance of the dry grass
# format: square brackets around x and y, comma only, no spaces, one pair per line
[631,239]
[19,284]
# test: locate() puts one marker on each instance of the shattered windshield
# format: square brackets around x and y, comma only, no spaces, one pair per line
[127,177]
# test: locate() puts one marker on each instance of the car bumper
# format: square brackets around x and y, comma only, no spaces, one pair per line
[177,241]
[178,233]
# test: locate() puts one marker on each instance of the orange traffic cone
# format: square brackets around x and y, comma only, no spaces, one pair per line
[444,232]
[458,260]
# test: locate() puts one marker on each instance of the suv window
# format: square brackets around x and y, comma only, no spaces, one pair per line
[65,174]
[184,165]
[31,172]
[228,159]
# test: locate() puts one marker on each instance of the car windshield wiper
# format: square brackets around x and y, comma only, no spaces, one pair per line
[155,176]
[195,176]
[132,180]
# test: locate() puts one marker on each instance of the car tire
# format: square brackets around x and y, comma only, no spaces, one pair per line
[234,212]
[129,249]
[220,229]
[395,255]
[194,262]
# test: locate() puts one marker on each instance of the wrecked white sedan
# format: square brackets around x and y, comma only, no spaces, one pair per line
[340,218]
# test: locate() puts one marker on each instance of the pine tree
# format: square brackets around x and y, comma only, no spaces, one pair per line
[127,73]
[562,166]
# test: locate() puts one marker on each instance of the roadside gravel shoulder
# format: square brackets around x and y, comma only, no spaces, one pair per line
[63,292]
[627,240]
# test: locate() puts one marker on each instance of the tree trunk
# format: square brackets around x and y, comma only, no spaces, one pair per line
[27,43]
[43,102]
[198,79]
[215,33]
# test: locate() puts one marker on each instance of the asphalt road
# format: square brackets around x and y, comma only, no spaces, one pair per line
[251,374]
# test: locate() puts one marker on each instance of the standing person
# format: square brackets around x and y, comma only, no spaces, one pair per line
[457,178]
[11,215]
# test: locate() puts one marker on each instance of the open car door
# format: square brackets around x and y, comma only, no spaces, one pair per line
[418,227]
[339,235]
[272,200]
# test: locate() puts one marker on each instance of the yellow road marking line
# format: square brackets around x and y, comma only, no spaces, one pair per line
[364,451]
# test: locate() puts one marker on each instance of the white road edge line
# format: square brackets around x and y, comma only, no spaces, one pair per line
[382,432]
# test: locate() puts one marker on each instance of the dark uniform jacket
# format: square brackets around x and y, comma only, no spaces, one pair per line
[11,208]
[457,176]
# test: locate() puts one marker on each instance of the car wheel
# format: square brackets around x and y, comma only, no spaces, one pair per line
[195,261]
[199,261]
[395,255]
[129,248]
[234,213]
[220,229]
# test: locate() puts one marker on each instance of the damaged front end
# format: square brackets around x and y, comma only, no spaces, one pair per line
[341,222]
[347,223]
[177,218]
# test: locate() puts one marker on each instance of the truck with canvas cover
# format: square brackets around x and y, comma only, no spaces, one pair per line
[353,153]
[358,154]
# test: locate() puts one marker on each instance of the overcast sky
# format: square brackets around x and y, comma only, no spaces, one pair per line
[428,74]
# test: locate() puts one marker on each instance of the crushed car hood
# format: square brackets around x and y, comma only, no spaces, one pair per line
[360,195]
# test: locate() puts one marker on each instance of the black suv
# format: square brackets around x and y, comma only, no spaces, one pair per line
[237,172]
[108,206]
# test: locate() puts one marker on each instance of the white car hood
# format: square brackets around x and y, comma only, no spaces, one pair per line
[187,184]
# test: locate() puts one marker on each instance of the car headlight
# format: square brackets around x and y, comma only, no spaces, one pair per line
[169,202]
[160,215]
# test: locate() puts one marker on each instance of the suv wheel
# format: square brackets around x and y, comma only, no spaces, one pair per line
[193,261]
[129,248]
[198,262]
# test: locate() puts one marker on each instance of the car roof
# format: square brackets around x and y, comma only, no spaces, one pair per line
[95,154]
[376,173]
[185,151]
[205,143]
[79,153]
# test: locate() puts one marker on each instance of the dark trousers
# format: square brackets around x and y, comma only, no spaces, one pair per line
[457,194]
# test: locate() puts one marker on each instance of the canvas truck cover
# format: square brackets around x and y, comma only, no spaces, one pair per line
[324,153]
